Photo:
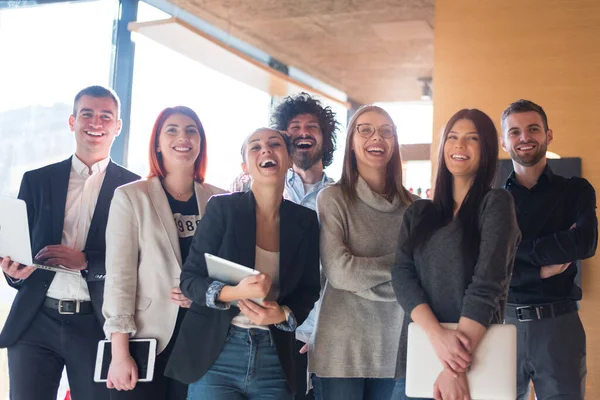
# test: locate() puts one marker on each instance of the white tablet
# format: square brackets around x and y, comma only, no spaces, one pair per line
[228,272]
[493,372]
[14,235]
[143,352]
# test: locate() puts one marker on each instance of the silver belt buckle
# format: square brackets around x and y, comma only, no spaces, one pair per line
[60,306]
[519,314]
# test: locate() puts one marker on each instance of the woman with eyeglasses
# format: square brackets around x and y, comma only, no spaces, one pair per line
[455,253]
[353,351]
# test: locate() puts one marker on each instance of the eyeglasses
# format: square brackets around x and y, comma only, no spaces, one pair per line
[367,130]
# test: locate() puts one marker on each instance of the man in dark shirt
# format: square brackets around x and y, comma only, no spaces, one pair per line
[557,218]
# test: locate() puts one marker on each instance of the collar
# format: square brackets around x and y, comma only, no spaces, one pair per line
[547,176]
[294,177]
[373,199]
[82,170]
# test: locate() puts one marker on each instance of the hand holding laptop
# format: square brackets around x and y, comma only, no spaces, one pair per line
[15,270]
[453,348]
[492,375]
[448,385]
[59,254]
[15,242]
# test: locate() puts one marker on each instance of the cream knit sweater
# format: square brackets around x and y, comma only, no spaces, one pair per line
[359,321]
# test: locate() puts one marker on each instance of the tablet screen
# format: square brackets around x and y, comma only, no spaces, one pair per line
[139,351]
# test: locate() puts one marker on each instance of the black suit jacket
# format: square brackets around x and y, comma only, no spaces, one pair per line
[44,191]
[228,230]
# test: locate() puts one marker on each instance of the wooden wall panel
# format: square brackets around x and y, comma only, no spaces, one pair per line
[490,53]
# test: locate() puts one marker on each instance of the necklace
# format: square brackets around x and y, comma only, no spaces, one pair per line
[176,194]
[183,194]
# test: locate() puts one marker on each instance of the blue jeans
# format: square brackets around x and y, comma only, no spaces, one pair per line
[247,368]
[400,391]
[352,388]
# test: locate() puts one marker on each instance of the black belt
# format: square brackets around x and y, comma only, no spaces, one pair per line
[526,313]
[69,306]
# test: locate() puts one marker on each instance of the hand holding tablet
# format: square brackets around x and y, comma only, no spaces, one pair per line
[143,352]
[249,283]
[254,287]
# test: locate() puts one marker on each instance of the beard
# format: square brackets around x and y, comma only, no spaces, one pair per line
[532,158]
[306,159]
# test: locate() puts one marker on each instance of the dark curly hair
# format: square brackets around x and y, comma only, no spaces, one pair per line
[303,103]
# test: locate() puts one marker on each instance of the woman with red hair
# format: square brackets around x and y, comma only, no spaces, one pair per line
[150,229]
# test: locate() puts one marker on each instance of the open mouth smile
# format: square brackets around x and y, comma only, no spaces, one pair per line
[94,134]
[525,147]
[460,157]
[268,163]
[304,144]
[376,150]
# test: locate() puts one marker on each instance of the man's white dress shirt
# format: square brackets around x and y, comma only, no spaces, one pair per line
[82,196]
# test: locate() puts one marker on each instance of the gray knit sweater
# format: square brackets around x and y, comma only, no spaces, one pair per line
[438,274]
[359,321]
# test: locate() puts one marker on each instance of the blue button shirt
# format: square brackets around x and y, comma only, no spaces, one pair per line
[294,191]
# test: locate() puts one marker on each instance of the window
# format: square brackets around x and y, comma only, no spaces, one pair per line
[415,126]
[50,53]
[413,119]
[45,72]
[228,109]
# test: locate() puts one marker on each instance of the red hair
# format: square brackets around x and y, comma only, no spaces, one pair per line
[157,167]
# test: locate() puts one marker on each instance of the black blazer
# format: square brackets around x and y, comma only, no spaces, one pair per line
[45,193]
[228,230]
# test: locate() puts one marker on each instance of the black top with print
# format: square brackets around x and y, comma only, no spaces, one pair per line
[185,214]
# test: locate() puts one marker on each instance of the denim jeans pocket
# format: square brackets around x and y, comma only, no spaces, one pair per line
[229,334]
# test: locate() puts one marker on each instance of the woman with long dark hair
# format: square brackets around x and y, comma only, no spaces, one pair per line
[455,253]
[353,351]
[247,351]
[150,228]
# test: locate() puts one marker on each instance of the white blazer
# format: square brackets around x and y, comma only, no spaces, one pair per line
[143,260]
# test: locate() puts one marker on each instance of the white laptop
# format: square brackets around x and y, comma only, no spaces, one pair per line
[228,272]
[493,372]
[14,235]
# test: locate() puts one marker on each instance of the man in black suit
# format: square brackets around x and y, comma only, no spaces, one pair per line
[56,318]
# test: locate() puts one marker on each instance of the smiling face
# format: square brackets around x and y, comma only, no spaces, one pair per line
[179,142]
[376,151]
[266,157]
[95,124]
[462,150]
[524,138]
[307,140]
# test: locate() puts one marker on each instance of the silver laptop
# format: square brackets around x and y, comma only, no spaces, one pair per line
[493,373]
[14,235]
